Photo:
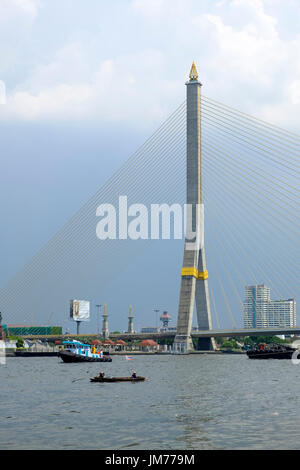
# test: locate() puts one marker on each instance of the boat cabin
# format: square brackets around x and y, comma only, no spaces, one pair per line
[81,349]
[73,344]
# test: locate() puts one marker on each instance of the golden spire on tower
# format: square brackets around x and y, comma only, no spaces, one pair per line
[193,72]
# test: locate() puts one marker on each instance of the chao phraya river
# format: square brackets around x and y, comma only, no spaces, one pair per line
[188,402]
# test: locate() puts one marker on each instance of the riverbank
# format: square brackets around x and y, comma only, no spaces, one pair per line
[116,353]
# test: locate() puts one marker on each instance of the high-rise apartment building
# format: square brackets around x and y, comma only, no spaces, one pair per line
[260,311]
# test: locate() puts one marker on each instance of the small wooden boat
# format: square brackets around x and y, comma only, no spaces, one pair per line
[118,379]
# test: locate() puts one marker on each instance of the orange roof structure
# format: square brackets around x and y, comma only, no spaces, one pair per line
[148,342]
[108,341]
[95,342]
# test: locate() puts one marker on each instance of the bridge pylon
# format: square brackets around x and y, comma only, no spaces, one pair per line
[194,274]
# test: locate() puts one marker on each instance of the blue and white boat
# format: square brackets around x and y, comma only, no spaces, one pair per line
[75,351]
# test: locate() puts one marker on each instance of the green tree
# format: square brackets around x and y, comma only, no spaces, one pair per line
[20,343]
[230,344]
[267,339]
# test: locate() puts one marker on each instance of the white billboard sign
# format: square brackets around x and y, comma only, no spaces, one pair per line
[80,310]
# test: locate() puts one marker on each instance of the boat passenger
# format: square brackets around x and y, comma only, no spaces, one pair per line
[133,376]
[101,375]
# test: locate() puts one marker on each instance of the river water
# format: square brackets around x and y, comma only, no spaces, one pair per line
[188,402]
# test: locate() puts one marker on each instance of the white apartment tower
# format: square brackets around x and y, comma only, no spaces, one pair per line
[260,311]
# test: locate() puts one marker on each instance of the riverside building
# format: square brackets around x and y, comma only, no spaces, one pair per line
[260,311]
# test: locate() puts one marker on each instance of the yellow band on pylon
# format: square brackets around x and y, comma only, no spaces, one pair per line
[189,272]
[203,275]
[195,273]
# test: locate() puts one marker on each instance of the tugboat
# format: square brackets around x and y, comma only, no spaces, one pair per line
[271,351]
[74,351]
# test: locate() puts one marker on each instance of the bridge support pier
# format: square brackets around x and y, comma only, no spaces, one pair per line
[182,344]
[206,344]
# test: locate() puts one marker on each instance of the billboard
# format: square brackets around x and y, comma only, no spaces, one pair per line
[80,310]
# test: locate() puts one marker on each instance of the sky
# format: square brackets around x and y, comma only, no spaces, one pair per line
[87,82]
[83,61]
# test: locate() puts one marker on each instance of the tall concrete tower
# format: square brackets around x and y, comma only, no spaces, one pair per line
[130,321]
[194,275]
[105,332]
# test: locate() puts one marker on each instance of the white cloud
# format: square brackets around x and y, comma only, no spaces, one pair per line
[12,7]
[69,65]
[60,101]
[121,89]
[241,56]
[2,92]
[251,53]
[251,66]
[150,9]
[156,9]
[295,92]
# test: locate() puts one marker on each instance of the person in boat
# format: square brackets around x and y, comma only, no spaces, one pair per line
[101,375]
[133,376]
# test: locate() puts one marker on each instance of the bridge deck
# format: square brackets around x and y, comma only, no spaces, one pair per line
[195,334]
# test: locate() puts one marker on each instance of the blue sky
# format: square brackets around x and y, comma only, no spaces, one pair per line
[88,82]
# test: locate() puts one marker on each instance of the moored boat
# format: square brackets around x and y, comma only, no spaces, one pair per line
[75,351]
[36,353]
[271,351]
